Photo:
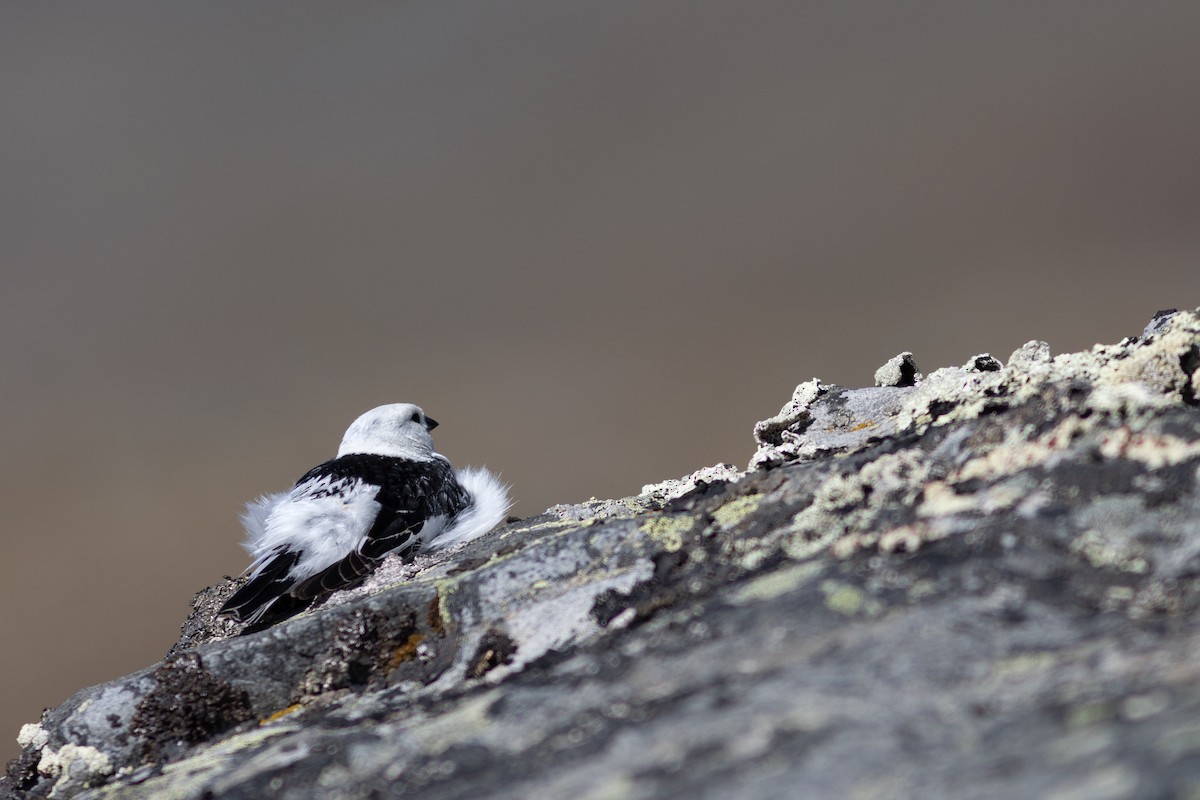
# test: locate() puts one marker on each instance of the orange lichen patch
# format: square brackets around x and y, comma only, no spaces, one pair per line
[280,714]
[405,651]
[862,425]
[434,615]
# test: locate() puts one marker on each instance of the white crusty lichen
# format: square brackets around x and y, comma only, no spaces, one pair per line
[74,764]
[1159,360]
[780,438]
[33,736]
[850,504]
[1149,372]
[1154,450]
[678,487]
[1133,379]
[794,412]
[1106,400]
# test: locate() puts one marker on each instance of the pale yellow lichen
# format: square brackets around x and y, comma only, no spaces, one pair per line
[1120,594]
[461,723]
[445,587]
[774,584]
[845,506]
[1102,553]
[1143,706]
[668,530]
[754,558]
[1089,714]
[737,510]
[921,589]
[1025,662]
[848,600]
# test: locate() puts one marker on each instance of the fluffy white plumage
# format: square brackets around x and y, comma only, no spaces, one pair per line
[322,526]
[489,507]
[387,490]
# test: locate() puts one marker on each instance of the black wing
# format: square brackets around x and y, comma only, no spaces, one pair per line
[273,580]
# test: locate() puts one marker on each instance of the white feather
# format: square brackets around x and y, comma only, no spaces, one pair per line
[488,506]
[321,520]
[254,518]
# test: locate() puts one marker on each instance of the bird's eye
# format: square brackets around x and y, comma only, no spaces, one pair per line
[416,417]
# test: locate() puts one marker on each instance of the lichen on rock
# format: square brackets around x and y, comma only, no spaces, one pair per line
[993,564]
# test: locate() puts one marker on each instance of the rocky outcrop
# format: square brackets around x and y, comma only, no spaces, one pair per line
[981,582]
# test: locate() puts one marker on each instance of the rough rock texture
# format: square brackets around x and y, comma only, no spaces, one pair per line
[982,585]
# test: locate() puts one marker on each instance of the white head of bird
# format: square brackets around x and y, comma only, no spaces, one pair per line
[398,429]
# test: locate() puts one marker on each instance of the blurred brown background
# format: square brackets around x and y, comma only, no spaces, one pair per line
[597,241]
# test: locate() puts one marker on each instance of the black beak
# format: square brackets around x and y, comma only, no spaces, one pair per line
[430,423]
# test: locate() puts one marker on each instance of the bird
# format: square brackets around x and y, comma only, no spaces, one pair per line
[387,491]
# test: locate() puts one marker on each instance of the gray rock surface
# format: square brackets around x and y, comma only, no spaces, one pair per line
[982,585]
[901,370]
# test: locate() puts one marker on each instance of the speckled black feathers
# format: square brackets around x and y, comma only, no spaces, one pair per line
[427,488]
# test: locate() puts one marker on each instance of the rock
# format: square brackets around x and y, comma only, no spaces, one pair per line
[1159,322]
[792,417]
[980,585]
[983,363]
[900,370]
